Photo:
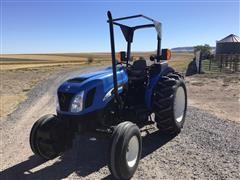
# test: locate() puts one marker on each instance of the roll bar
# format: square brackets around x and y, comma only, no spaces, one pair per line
[128,33]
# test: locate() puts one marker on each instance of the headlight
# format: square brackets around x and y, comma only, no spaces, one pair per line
[77,102]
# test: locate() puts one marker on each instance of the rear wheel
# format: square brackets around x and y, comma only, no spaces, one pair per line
[48,137]
[170,103]
[125,150]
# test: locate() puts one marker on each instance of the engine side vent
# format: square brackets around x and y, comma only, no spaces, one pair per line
[90,97]
[77,80]
[64,100]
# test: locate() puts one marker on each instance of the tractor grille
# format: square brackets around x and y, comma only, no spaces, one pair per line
[64,100]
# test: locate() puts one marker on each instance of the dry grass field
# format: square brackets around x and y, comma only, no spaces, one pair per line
[19,61]
[40,60]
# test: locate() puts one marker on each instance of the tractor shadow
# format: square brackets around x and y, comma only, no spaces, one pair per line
[85,158]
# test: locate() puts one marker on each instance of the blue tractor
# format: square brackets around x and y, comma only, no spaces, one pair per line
[116,102]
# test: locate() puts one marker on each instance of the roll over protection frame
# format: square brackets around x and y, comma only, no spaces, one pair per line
[128,33]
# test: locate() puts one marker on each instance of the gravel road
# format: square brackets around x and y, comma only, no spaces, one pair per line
[207,148]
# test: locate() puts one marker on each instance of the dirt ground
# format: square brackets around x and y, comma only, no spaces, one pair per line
[218,94]
[207,147]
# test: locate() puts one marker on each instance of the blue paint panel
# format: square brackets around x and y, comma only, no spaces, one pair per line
[102,81]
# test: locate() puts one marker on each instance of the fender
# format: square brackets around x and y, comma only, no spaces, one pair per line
[159,71]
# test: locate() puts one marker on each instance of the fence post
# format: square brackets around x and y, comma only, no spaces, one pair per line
[221,60]
[238,62]
[210,63]
[231,64]
[235,63]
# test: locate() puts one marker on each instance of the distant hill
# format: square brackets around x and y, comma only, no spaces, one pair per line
[183,49]
[186,49]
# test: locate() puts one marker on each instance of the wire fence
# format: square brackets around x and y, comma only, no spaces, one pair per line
[222,63]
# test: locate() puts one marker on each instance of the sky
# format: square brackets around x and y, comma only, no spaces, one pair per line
[71,26]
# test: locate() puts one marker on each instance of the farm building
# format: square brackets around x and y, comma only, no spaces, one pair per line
[228,45]
[228,53]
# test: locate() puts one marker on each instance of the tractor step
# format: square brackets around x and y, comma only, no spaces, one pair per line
[99,133]
[106,131]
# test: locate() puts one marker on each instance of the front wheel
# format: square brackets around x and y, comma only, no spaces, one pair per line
[48,137]
[125,150]
[170,103]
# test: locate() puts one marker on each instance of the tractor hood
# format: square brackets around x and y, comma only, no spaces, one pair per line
[97,73]
[96,86]
[85,81]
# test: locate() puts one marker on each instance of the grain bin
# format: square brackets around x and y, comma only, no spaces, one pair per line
[228,53]
[228,45]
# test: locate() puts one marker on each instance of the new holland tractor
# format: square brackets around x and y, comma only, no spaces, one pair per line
[116,102]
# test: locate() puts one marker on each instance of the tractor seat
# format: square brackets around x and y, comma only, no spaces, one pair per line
[138,70]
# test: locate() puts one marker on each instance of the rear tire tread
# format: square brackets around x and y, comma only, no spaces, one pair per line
[163,100]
